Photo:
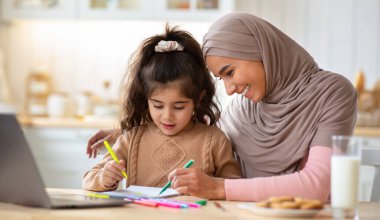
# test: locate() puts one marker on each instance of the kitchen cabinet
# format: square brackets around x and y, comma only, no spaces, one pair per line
[192,9]
[155,10]
[367,173]
[116,9]
[38,9]
[61,154]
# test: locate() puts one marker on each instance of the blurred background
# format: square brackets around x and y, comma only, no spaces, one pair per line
[61,61]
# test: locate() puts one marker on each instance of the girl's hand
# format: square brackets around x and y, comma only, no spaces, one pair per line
[111,173]
[96,141]
[194,182]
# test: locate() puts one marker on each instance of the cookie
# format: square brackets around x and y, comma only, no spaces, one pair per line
[265,204]
[299,199]
[285,205]
[278,199]
[289,202]
[311,204]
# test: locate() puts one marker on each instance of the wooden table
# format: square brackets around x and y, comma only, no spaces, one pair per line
[368,211]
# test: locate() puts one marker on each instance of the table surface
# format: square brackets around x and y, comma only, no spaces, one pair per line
[368,211]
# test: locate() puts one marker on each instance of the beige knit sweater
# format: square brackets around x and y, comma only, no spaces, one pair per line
[151,155]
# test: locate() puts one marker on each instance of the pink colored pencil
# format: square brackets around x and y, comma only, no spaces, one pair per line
[168,204]
[146,202]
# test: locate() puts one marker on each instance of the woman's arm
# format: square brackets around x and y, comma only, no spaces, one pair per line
[96,141]
[312,181]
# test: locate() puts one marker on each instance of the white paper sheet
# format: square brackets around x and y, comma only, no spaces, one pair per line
[142,191]
[152,191]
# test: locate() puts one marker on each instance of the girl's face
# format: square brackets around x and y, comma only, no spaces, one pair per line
[244,77]
[170,110]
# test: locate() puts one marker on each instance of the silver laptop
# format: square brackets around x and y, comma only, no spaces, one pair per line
[20,180]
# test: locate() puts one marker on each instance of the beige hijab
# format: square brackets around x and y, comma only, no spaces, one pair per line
[303,106]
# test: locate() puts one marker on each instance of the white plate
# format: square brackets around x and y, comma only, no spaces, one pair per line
[294,213]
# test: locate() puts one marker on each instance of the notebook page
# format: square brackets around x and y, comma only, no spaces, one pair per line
[152,191]
[137,192]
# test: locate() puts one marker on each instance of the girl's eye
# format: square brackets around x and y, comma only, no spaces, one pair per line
[179,108]
[157,106]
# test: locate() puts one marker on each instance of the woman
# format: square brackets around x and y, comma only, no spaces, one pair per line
[281,124]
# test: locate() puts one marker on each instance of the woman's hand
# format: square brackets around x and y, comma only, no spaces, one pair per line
[111,173]
[97,140]
[194,182]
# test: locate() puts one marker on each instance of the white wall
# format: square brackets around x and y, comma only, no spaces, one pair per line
[342,35]
[79,54]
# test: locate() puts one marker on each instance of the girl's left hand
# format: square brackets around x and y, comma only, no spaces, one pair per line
[195,183]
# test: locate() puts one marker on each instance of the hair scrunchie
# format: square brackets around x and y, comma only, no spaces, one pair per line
[168,46]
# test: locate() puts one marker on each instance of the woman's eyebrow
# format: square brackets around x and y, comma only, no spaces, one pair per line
[221,71]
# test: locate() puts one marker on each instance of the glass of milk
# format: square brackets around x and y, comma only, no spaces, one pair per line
[345,166]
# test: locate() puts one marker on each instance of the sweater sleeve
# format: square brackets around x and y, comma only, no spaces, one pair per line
[92,178]
[312,181]
[223,158]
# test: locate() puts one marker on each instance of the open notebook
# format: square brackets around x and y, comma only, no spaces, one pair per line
[138,192]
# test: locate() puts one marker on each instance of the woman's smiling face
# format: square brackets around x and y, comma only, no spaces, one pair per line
[246,77]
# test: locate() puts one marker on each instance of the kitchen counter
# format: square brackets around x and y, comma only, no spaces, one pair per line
[104,123]
[367,131]
[88,122]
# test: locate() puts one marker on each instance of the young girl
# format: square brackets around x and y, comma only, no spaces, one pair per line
[168,118]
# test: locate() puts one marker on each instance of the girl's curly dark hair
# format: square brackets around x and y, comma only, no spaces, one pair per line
[150,70]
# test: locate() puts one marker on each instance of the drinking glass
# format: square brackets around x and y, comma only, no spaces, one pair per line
[345,167]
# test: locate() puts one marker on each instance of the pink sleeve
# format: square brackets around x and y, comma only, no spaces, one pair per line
[312,181]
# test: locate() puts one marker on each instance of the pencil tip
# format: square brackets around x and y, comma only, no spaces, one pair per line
[162,190]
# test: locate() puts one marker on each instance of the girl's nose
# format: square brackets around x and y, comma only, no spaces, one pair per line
[167,113]
[230,88]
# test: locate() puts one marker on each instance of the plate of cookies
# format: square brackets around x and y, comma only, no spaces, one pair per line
[285,206]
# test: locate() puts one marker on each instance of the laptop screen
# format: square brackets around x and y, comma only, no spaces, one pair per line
[20,180]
